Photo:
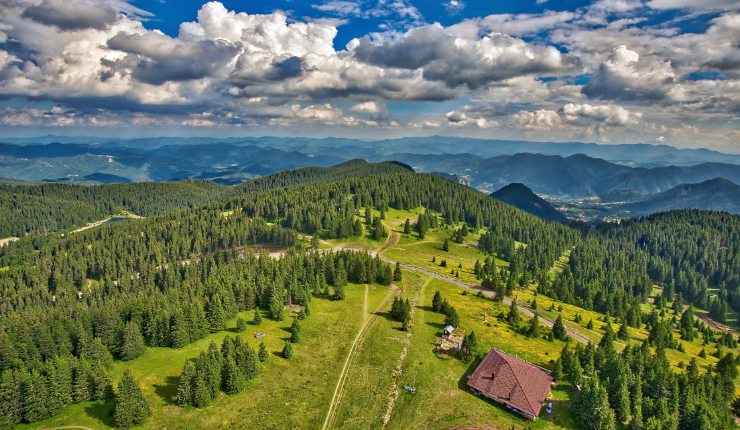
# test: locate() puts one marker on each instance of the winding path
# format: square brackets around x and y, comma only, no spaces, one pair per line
[575,335]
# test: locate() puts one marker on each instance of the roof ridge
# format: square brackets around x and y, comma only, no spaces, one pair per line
[516,376]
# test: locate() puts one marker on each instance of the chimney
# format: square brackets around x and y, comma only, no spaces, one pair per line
[493,375]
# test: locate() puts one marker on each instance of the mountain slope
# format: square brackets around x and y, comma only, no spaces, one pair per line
[715,194]
[520,196]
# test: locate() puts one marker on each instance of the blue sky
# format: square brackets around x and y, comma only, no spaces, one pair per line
[607,71]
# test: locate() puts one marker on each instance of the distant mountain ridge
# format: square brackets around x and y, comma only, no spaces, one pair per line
[522,197]
[716,194]
[235,160]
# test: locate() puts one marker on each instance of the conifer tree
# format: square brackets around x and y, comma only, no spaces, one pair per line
[451,317]
[446,246]
[233,381]
[407,227]
[263,354]
[132,343]
[397,274]
[288,351]
[241,325]
[295,331]
[11,397]
[185,386]
[35,397]
[102,385]
[437,301]
[623,333]
[257,317]
[276,307]
[513,316]
[81,390]
[340,280]
[557,370]
[132,408]
[201,391]
[216,314]
[533,330]
[558,329]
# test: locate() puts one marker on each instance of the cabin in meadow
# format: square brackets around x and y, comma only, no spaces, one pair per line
[521,386]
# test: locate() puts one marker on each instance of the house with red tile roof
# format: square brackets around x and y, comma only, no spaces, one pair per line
[521,386]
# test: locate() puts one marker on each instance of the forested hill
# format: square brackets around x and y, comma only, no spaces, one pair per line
[356,168]
[46,208]
[714,194]
[79,301]
[688,252]
[521,196]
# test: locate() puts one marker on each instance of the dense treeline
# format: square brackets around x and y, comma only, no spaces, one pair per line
[46,208]
[687,251]
[639,387]
[42,209]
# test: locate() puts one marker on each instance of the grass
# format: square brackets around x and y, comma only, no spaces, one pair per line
[442,399]
[288,394]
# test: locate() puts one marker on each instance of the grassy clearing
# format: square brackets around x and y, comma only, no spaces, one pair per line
[442,399]
[288,394]
[368,385]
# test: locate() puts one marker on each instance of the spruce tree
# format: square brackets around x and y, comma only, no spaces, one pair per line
[81,390]
[295,331]
[533,330]
[513,316]
[132,407]
[451,317]
[557,370]
[11,397]
[397,274]
[257,317]
[201,391]
[437,301]
[241,325]
[623,333]
[185,386]
[446,246]
[276,307]
[288,351]
[263,354]
[233,381]
[216,314]
[35,397]
[101,383]
[558,329]
[132,345]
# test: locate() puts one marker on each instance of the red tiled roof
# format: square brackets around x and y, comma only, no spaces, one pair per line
[517,383]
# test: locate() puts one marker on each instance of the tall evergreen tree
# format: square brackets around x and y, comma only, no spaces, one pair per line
[185,386]
[132,408]
[513,316]
[558,329]
[295,331]
[132,342]
[216,314]
[288,351]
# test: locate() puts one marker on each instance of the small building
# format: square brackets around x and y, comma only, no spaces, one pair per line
[521,386]
[448,330]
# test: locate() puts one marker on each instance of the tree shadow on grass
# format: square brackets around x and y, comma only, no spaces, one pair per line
[438,326]
[386,315]
[103,412]
[168,390]
[425,308]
